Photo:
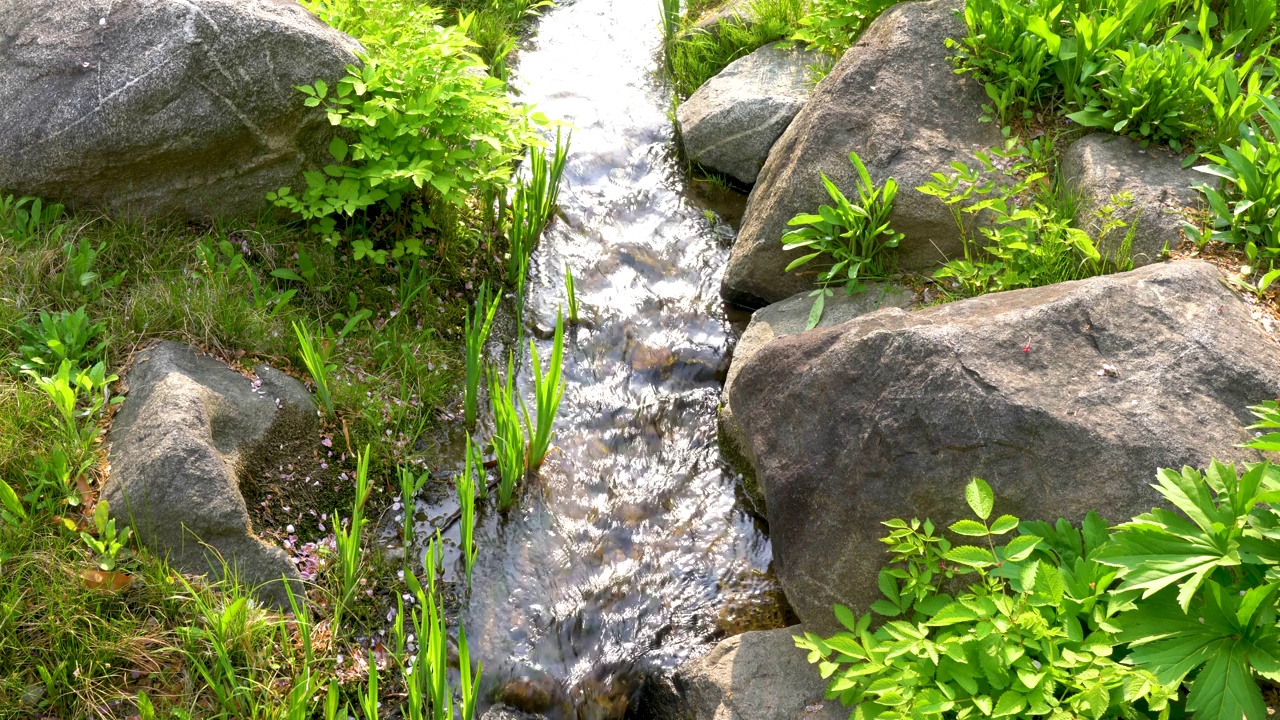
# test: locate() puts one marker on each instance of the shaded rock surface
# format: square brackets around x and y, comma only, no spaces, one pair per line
[757,675]
[1099,166]
[190,429]
[779,320]
[157,107]
[890,414]
[729,124]
[895,100]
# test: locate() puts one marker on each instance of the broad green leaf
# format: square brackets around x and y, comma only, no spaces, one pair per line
[1004,524]
[1010,703]
[980,498]
[846,617]
[969,528]
[953,613]
[971,556]
[1020,548]
[1225,688]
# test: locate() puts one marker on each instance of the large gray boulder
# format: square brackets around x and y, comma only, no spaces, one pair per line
[780,319]
[1100,166]
[729,124]
[758,675]
[191,430]
[159,107]
[895,100]
[1065,398]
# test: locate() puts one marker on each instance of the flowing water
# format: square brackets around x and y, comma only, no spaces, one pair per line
[630,554]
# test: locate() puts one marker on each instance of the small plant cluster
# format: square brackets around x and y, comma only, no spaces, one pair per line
[1090,622]
[423,126]
[1176,73]
[1020,230]
[832,26]
[854,236]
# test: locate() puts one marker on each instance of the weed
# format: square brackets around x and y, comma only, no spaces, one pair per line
[29,220]
[67,388]
[478,323]
[410,486]
[832,26]
[533,202]
[316,357]
[466,487]
[855,236]
[1244,207]
[349,538]
[508,437]
[548,390]
[108,544]
[571,295]
[58,337]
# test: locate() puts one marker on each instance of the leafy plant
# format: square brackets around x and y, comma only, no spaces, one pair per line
[1244,206]
[316,357]
[68,388]
[108,544]
[51,482]
[508,437]
[82,259]
[1028,225]
[1030,638]
[1268,416]
[1207,578]
[832,26]
[465,484]
[421,120]
[533,202]
[12,511]
[548,389]
[571,295]
[855,236]
[348,539]
[410,486]
[26,219]
[57,337]
[477,324]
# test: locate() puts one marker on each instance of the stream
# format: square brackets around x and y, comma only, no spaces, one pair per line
[631,553]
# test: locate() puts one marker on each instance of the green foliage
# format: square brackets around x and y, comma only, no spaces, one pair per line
[12,511]
[1161,71]
[571,295]
[695,55]
[26,220]
[81,270]
[1244,206]
[51,482]
[57,337]
[1028,227]
[421,121]
[107,544]
[410,486]
[548,389]
[833,26]
[533,203]
[1033,637]
[854,236]
[477,325]
[70,389]
[466,488]
[1268,416]
[508,437]
[315,355]
[1208,583]
[349,538]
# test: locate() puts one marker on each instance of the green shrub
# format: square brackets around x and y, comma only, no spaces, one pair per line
[1032,637]
[1244,206]
[856,237]
[1026,230]
[1013,63]
[422,122]
[57,337]
[833,26]
[1208,583]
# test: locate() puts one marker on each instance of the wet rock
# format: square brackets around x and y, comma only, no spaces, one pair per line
[895,100]
[506,712]
[756,676]
[181,444]
[733,120]
[531,693]
[890,415]
[1099,166]
[158,107]
[779,320]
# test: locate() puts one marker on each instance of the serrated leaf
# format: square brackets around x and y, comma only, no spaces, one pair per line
[1225,688]
[1004,524]
[980,498]
[971,556]
[1010,703]
[952,614]
[1020,548]
[846,617]
[969,528]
